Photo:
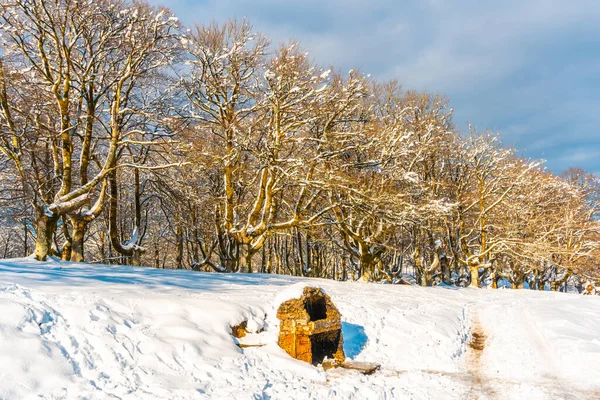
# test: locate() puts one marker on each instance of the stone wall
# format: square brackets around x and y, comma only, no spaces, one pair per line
[311,327]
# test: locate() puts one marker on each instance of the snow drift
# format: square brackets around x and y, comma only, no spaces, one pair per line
[83,331]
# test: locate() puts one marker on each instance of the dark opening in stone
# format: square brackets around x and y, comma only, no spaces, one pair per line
[310,328]
[324,345]
[316,307]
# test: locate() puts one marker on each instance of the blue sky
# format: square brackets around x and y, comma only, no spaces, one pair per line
[528,69]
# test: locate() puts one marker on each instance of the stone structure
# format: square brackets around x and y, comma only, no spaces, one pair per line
[311,328]
[239,330]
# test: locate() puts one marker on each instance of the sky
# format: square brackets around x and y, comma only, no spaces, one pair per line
[528,69]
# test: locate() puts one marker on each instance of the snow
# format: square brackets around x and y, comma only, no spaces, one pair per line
[325,74]
[294,291]
[131,244]
[89,331]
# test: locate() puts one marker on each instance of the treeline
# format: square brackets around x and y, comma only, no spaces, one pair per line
[126,138]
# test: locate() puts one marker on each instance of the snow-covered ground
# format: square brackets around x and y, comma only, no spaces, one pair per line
[87,331]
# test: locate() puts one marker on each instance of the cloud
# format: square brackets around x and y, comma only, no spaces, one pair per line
[526,68]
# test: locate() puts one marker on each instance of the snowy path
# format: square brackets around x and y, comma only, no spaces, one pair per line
[548,353]
[81,331]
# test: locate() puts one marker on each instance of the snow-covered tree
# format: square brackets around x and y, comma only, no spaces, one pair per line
[69,81]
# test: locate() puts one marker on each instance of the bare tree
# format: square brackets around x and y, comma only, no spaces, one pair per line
[74,70]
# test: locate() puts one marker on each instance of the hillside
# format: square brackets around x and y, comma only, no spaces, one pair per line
[88,331]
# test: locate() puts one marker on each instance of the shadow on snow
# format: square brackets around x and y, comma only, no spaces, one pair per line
[355,339]
[74,274]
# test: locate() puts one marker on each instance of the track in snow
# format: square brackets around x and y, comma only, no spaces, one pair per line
[80,331]
[487,385]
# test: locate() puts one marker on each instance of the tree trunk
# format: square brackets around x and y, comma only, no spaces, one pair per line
[555,285]
[495,278]
[45,227]
[535,282]
[77,239]
[367,267]
[263,260]
[25,233]
[249,254]
[136,258]
[102,248]
[6,247]
[446,274]
[519,284]
[427,277]
[234,257]
[430,270]
[179,241]
[112,223]
[474,275]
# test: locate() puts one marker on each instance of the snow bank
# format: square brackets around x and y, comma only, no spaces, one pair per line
[294,291]
[549,348]
[82,331]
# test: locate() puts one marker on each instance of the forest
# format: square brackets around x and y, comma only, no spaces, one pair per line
[128,138]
